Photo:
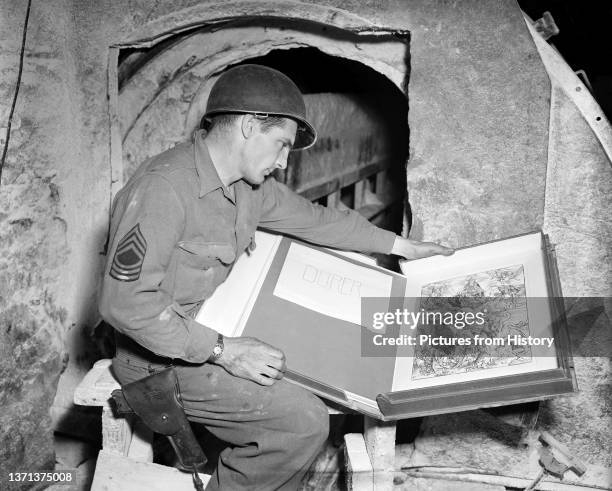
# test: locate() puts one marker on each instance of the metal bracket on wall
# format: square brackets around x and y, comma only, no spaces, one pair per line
[562,76]
[546,26]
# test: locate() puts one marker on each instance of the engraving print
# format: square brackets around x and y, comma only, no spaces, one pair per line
[498,294]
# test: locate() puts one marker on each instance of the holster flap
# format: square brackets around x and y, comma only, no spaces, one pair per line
[156,400]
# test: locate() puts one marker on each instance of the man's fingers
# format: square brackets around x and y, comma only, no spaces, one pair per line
[252,359]
[277,365]
[277,354]
[272,373]
[426,249]
[413,249]
[263,380]
[440,249]
[267,348]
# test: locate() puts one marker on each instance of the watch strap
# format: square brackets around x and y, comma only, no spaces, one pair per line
[218,348]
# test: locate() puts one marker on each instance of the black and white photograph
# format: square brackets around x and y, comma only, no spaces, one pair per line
[305,245]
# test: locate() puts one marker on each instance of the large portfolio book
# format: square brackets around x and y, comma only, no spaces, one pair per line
[483,327]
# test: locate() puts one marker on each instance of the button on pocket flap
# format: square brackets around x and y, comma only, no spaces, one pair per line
[227,254]
[210,250]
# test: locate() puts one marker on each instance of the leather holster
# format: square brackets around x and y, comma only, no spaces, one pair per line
[157,401]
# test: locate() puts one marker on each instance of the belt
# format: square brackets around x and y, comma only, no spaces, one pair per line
[133,353]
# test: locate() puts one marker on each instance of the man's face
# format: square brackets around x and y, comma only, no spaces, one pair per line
[267,150]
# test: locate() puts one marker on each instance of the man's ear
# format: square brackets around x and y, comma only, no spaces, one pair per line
[247,125]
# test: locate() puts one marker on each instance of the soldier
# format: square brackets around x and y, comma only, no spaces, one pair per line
[177,227]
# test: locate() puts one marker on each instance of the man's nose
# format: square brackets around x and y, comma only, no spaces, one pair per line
[281,162]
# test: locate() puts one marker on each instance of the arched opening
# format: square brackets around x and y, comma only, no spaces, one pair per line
[352,98]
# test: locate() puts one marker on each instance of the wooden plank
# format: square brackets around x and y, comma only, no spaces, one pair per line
[359,472]
[333,199]
[115,473]
[96,387]
[382,183]
[360,187]
[548,484]
[116,432]
[379,439]
[324,472]
[141,445]
[318,189]
[355,136]
[371,198]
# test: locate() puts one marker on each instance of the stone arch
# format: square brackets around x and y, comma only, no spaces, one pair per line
[223,12]
[162,104]
[333,31]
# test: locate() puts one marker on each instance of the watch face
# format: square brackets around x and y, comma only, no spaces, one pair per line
[217,350]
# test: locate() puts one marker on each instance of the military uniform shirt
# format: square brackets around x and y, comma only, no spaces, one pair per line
[175,232]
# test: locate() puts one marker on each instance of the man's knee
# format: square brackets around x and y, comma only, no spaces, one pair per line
[321,416]
[311,419]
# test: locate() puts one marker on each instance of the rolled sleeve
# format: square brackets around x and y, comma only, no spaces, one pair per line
[132,298]
[286,212]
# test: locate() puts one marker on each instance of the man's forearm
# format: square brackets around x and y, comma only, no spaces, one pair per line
[286,212]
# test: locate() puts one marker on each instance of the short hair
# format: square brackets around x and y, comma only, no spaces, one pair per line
[223,122]
[220,122]
[266,123]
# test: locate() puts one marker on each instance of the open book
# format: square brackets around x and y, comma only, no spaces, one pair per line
[360,335]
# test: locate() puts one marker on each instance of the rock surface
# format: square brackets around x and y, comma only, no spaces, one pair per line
[33,238]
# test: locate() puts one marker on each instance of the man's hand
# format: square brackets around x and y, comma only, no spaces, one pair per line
[412,249]
[252,359]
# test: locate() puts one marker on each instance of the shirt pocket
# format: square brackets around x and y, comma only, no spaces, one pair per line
[202,255]
[201,267]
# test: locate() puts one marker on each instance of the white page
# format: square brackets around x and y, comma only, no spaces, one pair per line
[224,309]
[327,284]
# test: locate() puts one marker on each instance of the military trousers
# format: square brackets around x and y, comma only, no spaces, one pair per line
[274,432]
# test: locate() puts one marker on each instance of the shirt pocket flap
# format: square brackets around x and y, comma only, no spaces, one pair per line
[206,253]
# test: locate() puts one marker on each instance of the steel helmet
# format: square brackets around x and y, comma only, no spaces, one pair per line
[258,89]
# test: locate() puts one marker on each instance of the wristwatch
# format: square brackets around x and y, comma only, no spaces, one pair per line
[217,349]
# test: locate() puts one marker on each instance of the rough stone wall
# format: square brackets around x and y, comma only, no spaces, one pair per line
[577,219]
[478,126]
[54,201]
[33,230]
[578,202]
[85,179]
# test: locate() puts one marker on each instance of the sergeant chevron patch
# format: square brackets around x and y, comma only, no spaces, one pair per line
[129,256]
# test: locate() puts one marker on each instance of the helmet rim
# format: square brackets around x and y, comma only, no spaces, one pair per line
[258,89]
[305,137]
